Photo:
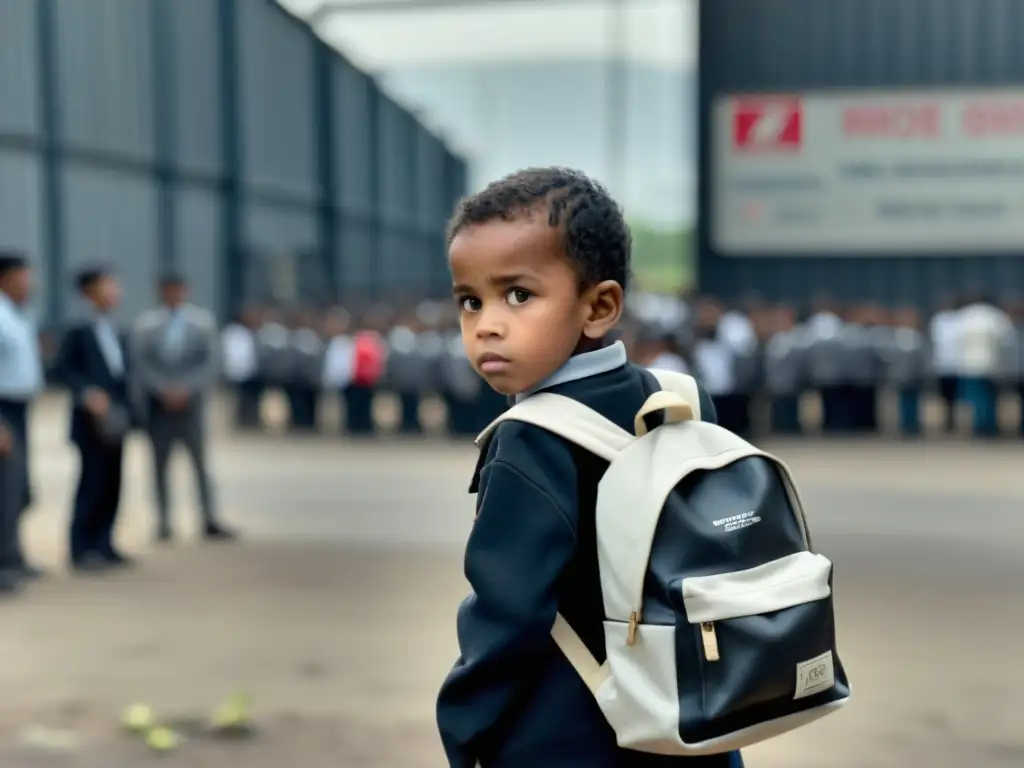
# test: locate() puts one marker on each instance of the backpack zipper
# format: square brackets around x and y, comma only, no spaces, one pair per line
[710,638]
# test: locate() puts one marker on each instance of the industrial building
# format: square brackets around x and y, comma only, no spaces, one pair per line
[868,149]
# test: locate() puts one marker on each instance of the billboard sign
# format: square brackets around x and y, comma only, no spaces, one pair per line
[880,172]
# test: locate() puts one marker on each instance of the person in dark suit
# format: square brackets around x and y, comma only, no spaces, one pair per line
[92,364]
[306,366]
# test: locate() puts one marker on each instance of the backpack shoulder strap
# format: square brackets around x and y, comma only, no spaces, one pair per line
[566,418]
[683,385]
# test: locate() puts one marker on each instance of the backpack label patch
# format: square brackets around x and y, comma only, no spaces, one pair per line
[814,676]
[736,522]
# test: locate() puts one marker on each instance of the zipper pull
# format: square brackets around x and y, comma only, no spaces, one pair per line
[634,621]
[710,638]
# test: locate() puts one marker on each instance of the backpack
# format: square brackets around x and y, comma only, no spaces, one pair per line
[719,625]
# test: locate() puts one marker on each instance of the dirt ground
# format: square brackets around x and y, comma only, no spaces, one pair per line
[336,612]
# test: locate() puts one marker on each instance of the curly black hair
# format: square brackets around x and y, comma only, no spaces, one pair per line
[597,239]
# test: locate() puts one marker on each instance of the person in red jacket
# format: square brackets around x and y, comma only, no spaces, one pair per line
[369,358]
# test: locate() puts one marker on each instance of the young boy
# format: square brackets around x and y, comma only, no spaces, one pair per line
[539,262]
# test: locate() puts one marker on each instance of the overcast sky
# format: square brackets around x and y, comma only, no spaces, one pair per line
[425,59]
[656,31]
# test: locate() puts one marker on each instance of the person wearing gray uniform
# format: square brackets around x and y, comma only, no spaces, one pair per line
[864,341]
[1017,313]
[339,357]
[736,330]
[408,373]
[907,359]
[431,346]
[748,363]
[175,357]
[828,366]
[785,373]
[273,354]
[654,346]
[242,370]
[305,372]
[1010,369]
[460,387]
[879,322]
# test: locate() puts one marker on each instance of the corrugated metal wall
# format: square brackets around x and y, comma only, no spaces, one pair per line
[19,96]
[799,45]
[355,167]
[218,138]
[106,132]
[21,173]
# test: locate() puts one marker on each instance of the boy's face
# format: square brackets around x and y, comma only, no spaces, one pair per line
[522,311]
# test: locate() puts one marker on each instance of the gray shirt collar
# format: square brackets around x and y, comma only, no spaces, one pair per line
[581,367]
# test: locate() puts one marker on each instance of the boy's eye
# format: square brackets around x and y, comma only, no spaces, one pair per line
[518,296]
[469,304]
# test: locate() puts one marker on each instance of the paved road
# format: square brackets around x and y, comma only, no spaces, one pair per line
[337,612]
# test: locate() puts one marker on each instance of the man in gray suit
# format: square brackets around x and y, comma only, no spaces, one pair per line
[174,350]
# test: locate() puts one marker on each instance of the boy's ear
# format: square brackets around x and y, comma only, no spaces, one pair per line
[603,305]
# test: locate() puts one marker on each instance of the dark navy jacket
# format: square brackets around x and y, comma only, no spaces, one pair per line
[512,700]
[81,366]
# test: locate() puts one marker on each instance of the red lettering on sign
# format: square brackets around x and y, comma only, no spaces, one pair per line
[895,121]
[771,123]
[994,118]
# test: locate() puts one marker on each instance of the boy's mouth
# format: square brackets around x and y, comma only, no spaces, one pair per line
[492,363]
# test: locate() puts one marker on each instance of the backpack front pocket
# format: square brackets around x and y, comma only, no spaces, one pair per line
[765,638]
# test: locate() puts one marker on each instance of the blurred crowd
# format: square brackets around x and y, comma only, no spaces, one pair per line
[770,369]
[829,368]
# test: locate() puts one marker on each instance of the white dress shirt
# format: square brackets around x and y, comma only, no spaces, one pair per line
[239,350]
[984,336]
[21,367]
[110,346]
[339,362]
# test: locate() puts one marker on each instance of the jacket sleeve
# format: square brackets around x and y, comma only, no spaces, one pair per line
[522,541]
[68,367]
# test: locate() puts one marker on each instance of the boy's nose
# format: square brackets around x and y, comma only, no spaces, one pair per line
[490,325]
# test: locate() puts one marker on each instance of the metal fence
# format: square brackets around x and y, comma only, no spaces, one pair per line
[217,138]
